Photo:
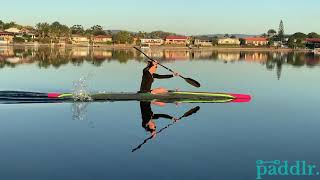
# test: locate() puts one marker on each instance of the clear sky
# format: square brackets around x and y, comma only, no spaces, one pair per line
[189,17]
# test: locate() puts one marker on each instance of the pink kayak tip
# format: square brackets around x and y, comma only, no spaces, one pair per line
[241,98]
[53,95]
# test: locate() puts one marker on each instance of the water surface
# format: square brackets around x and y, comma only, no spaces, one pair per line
[95,140]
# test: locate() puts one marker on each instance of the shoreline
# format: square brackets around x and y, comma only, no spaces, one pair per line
[177,48]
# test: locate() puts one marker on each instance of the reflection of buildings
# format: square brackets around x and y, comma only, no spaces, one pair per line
[202,55]
[6,51]
[176,55]
[229,56]
[46,57]
[101,54]
[80,52]
[256,57]
[154,54]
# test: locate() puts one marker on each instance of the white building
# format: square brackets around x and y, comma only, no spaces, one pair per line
[152,42]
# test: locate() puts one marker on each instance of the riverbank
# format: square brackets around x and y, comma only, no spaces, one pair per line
[163,47]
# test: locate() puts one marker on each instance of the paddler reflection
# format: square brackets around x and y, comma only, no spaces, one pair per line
[148,117]
[148,120]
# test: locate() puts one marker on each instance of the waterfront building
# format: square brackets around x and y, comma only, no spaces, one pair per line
[152,42]
[6,37]
[228,41]
[203,41]
[177,40]
[102,39]
[256,41]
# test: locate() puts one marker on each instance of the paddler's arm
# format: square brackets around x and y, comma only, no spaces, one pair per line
[158,76]
[157,116]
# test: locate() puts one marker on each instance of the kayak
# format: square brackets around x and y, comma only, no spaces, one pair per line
[7,97]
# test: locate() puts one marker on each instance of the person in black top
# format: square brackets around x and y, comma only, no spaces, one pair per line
[148,78]
[148,117]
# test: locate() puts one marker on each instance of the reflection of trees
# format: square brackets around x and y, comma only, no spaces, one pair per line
[46,57]
[122,55]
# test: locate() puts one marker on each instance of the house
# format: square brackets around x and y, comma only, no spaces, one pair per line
[151,42]
[80,40]
[13,30]
[102,39]
[256,41]
[312,43]
[28,31]
[177,40]
[203,41]
[228,41]
[6,37]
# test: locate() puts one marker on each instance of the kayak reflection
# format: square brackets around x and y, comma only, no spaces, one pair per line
[148,120]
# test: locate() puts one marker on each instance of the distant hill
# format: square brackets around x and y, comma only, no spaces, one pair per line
[114,31]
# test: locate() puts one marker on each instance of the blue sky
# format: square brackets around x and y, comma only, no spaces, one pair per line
[180,16]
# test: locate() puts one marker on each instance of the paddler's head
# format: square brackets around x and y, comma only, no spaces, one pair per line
[152,67]
[151,127]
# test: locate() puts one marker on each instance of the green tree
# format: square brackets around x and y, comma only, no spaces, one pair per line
[96,30]
[215,41]
[281,31]
[242,41]
[313,35]
[43,30]
[9,25]
[1,25]
[58,30]
[123,37]
[77,29]
[271,32]
[159,34]
[296,40]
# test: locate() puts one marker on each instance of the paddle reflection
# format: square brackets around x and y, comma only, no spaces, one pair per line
[149,124]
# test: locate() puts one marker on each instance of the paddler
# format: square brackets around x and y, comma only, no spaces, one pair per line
[149,73]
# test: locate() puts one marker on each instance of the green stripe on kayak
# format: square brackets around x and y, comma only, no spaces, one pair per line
[65,95]
[204,94]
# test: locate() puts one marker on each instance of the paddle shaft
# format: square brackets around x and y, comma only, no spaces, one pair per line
[157,62]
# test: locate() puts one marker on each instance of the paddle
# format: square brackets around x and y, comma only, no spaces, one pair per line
[188,113]
[189,80]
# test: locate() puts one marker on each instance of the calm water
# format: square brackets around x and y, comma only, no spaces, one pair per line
[95,140]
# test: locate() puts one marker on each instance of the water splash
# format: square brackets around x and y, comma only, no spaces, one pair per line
[80,89]
[79,110]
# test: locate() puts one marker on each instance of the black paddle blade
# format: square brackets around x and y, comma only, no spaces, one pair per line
[191,111]
[192,82]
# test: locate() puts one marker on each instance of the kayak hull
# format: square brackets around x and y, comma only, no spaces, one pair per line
[180,96]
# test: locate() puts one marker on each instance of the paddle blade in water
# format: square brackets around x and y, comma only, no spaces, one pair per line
[191,111]
[192,82]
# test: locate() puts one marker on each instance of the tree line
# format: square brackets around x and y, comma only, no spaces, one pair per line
[46,33]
